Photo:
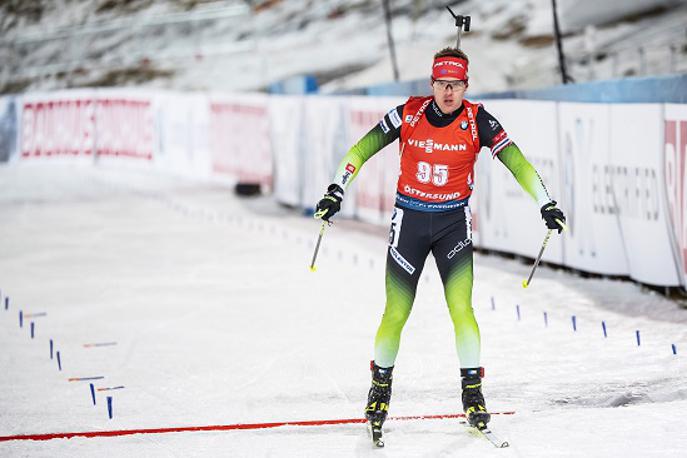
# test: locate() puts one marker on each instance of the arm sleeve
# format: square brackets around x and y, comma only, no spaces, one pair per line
[388,130]
[491,132]
[524,173]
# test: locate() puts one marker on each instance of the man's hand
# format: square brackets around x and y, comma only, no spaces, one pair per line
[330,204]
[553,216]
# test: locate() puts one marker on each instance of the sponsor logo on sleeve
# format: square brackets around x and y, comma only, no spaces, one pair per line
[395,118]
[409,119]
[349,170]
[464,125]
[499,142]
[494,124]
[384,126]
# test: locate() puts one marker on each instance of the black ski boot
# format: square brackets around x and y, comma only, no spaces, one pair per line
[473,400]
[378,401]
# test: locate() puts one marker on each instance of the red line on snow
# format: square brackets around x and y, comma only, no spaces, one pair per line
[180,429]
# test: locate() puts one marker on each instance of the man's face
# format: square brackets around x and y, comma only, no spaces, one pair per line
[448,93]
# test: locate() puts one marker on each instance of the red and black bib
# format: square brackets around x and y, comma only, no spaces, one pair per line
[437,163]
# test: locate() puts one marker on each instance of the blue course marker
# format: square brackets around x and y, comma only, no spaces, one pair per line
[546,320]
[603,326]
[7,303]
[574,323]
[109,407]
[493,304]
[674,348]
[92,393]
[517,310]
[59,361]
[638,340]
[51,347]
[21,319]
[33,327]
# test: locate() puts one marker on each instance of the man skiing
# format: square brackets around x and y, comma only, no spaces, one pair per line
[440,137]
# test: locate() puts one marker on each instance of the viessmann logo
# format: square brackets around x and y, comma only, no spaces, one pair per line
[430,145]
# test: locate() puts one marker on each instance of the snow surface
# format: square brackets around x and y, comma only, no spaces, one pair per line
[218,320]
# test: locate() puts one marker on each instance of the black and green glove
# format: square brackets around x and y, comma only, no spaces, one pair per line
[553,216]
[330,204]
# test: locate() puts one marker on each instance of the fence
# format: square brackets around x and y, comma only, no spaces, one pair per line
[618,170]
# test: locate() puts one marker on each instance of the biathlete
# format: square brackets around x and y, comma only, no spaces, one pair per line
[439,139]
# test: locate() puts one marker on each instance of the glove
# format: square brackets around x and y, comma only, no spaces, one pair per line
[330,204]
[553,216]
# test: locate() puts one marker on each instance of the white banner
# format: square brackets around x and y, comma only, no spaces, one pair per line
[286,128]
[239,138]
[375,185]
[323,146]
[182,121]
[594,241]
[8,128]
[506,217]
[674,178]
[631,192]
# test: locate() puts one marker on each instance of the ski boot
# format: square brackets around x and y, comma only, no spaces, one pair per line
[378,399]
[473,400]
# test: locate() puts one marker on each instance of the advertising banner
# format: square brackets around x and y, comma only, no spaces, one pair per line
[286,128]
[8,128]
[239,138]
[505,216]
[674,178]
[594,241]
[58,124]
[632,191]
[124,125]
[323,145]
[87,124]
[182,121]
[617,171]
[375,185]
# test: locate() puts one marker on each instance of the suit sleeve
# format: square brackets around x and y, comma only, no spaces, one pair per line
[491,132]
[385,132]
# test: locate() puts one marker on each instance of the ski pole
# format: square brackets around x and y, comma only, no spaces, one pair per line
[317,246]
[526,283]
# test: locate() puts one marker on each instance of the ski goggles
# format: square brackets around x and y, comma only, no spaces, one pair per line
[453,84]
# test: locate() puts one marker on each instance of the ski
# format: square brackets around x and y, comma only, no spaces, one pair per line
[488,434]
[493,438]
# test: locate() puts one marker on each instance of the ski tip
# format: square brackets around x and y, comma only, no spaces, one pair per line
[379,443]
